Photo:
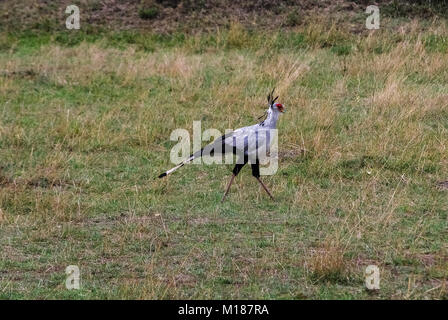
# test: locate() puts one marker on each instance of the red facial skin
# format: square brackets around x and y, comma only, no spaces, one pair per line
[279,107]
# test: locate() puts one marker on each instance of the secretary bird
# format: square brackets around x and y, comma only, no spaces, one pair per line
[249,144]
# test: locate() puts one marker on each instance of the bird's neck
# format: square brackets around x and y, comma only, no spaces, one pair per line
[271,119]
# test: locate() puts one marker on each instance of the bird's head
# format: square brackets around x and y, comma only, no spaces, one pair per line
[278,107]
[275,106]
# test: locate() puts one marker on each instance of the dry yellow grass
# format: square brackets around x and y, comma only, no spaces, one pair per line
[327,263]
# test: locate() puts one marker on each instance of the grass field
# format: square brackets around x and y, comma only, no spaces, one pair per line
[85,121]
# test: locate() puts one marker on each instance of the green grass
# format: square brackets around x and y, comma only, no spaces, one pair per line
[148,13]
[85,120]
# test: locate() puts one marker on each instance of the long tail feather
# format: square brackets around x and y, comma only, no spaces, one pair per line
[189,159]
[217,143]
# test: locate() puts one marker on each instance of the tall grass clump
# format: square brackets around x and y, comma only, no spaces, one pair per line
[328,263]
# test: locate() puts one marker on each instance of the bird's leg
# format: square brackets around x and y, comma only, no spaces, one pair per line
[265,188]
[256,174]
[228,187]
[235,172]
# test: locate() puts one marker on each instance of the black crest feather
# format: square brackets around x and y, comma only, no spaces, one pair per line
[271,99]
